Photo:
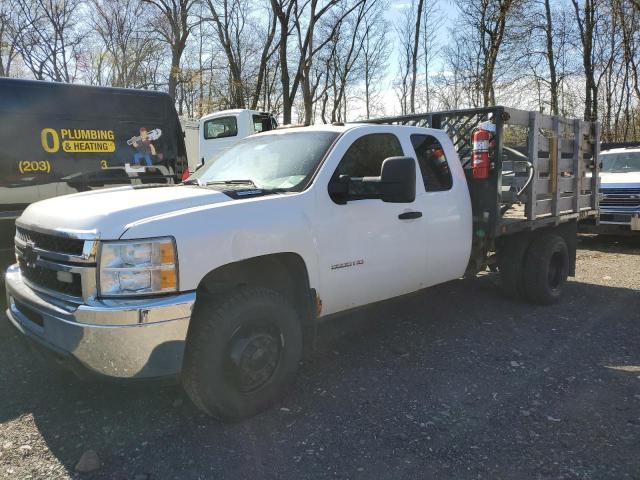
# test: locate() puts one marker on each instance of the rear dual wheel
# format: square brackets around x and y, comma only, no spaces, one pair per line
[535,269]
[546,269]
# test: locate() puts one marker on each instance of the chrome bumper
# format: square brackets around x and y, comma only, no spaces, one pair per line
[120,339]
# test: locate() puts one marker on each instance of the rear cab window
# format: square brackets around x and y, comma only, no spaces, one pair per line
[257,124]
[221,127]
[434,167]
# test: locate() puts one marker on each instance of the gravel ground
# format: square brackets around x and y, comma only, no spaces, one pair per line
[453,382]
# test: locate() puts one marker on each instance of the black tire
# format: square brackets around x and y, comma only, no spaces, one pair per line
[221,373]
[511,259]
[546,269]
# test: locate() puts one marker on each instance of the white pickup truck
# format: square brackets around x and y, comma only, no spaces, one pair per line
[219,131]
[620,191]
[222,280]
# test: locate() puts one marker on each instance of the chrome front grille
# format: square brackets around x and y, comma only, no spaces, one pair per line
[60,265]
[56,281]
[620,197]
[52,243]
[620,202]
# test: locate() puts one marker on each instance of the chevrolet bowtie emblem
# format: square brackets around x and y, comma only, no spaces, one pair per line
[30,255]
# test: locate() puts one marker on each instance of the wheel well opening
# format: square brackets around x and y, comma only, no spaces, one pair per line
[285,273]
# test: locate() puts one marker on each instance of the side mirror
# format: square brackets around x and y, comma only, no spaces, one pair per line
[339,189]
[398,180]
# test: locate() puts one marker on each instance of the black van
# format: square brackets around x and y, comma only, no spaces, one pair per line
[59,138]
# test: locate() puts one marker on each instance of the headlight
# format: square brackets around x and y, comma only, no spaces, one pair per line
[137,267]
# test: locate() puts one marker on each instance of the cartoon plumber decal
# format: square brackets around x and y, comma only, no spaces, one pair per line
[144,146]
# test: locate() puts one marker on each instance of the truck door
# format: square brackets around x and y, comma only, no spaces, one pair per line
[368,250]
[218,134]
[445,206]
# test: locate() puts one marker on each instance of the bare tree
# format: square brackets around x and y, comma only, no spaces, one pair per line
[174,24]
[482,28]
[12,25]
[301,17]
[547,43]
[402,83]
[551,57]
[232,19]
[376,48]
[586,18]
[51,44]
[429,44]
[414,55]
[416,32]
[346,52]
[123,47]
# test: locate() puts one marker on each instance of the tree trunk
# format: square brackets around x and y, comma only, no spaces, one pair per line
[553,76]
[175,71]
[414,57]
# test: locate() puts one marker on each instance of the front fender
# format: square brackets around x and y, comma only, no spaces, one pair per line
[215,235]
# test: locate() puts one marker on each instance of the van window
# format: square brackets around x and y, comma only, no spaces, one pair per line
[433,163]
[220,128]
[365,156]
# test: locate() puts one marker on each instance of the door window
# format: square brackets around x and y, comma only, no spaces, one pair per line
[436,174]
[365,156]
[257,123]
[220,128]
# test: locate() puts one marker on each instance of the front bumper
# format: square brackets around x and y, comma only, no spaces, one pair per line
[629,218]
[123,339]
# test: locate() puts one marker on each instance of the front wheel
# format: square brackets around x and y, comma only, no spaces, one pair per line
[242,351]
[546,269]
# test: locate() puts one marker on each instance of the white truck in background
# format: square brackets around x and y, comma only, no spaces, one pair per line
[218,131]
[221,280]
[620,191]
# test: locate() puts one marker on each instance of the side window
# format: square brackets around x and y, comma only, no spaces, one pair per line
[365,156]
[433,163]
[220,128]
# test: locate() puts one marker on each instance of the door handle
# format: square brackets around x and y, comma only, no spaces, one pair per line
[409,215]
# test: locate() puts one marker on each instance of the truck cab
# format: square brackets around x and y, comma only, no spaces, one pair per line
[220,130]
[620,189]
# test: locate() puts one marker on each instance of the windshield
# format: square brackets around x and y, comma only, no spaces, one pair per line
[277,161]
[621,162]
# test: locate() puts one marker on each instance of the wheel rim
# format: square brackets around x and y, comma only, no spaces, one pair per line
[253,356]
[556,270]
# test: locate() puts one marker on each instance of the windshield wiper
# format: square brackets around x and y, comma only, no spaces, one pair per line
[231,182]
[248,182]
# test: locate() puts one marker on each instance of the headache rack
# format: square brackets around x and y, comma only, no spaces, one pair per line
[544,169]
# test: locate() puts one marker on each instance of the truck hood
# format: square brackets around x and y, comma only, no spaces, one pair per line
[107,213]
[620,180]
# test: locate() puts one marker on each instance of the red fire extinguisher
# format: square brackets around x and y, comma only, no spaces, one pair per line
[440,162]
[185,174]
[480,155]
